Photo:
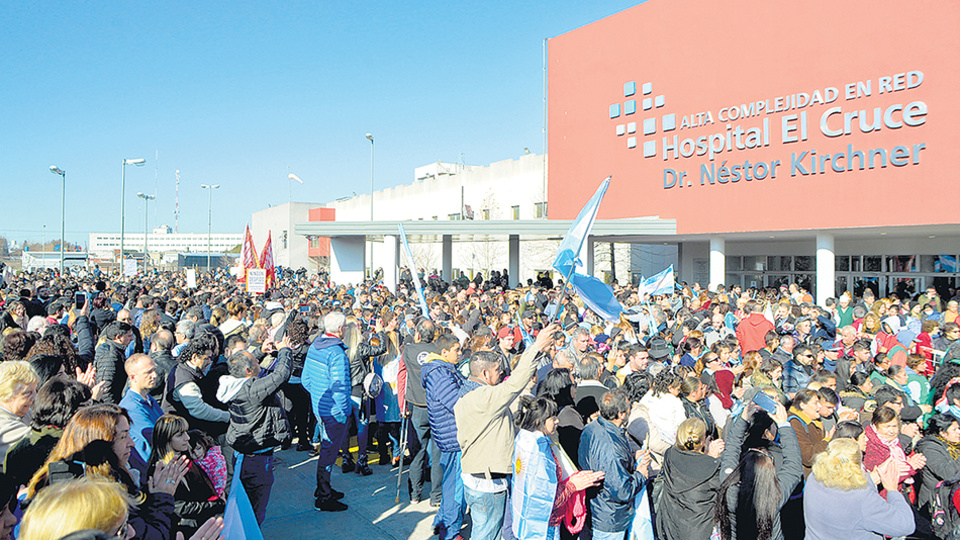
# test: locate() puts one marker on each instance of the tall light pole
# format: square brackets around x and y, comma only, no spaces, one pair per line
[146,200]
[210,188]
[63,201]
[139,162]
[370,138]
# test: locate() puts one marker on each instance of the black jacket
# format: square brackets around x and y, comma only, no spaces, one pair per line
[258,420]
[414,356]
[109,365]
[165,364]
[195,500]
[690,482]
[360,364]
[789,469]
[940,466]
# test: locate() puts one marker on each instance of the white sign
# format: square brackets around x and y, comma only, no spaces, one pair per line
[256,281]
[191,278]
[130,267]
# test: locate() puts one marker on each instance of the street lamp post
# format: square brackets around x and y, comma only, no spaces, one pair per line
[209,217]
[63,201]
[370,138]
[146,200]
[139,162]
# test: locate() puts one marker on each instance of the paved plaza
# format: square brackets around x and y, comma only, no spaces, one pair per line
[373,512]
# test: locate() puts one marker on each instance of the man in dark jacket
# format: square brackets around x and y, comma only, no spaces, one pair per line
[414,356]
[442,382]
[109,360]
[604,447]
[258,421]
[160,346]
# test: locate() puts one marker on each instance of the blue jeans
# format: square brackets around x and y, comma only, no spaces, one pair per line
[332,434]
[256,475]
[360,417]
[486,510]
[449,518]
[603,535]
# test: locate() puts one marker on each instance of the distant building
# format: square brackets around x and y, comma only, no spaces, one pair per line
[162,240]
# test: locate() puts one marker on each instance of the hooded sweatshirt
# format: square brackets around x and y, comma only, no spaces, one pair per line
[752,332]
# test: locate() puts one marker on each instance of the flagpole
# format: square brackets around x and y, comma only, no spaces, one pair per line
[563,292]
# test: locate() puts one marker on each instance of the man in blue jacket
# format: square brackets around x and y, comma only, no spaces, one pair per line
[442,383]
[604,447]
[326,376]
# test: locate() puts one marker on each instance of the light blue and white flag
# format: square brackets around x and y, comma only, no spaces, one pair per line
[597,296]
[413,272]
[569,251]
[662,283]
[239,521]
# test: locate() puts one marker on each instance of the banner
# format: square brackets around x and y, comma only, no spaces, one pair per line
[130,267]
[191,278]
[257,281]
[413,272]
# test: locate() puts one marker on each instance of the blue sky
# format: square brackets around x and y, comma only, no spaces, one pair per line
[241,94]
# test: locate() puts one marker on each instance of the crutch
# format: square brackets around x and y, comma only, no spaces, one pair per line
[403,449]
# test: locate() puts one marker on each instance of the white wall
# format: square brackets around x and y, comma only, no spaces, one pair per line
[277,220]
[497,187]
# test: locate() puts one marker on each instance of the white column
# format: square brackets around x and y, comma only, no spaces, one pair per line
[446,258]
[718,262]
[826,269]
[391,247]
[589,259]
[513,267]
[347,256]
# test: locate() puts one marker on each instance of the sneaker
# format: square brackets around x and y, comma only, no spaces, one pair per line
[347,466]
[334,494]
[329,505]
[364,470]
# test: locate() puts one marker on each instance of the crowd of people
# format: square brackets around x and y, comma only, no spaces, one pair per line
[130,406]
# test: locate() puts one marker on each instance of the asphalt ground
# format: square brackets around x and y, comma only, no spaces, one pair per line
[373,512]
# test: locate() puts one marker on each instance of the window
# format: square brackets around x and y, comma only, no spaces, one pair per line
[454,217]
[541,209]
[515,212]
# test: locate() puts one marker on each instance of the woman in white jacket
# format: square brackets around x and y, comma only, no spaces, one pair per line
[664,405]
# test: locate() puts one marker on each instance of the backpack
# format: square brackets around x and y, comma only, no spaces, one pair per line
[944,516]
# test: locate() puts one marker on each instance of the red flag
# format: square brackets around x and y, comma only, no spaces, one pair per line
[266,260]
[248,256]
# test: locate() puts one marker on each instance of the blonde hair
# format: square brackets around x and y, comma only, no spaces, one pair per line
[840,466]
[75,505]
[691,434]
[14,375]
